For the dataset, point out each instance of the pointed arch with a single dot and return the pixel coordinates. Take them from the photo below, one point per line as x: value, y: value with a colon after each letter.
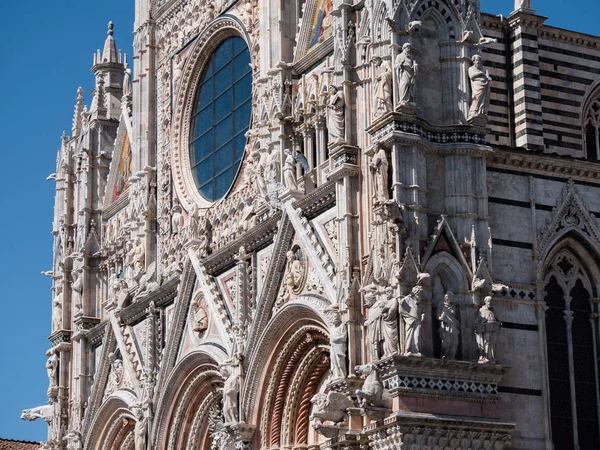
x: 184, y: 406
x: 113, y: 423
x: 287, y: 368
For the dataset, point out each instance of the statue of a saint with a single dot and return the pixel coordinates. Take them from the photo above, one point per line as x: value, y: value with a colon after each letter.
x: 295, y: 271
x: 373, y: 322
x: 336, y: 125
x: 389, y: 322
x: 52, y: 368
x: 522, y: 4
x: 231, y: 390
x: 449, y: 327
x: 383, y: 87
x: 412, y: 313
x: 77, y: 290
x: 57, y: 310
x: 406, y: 75
x: 486, y: 327
x: 261, y: 167
x: 382, y: 321
x: 127, y: 82
x: 480, y: 88
x: 140, y: 431
x: 339, y: 342
x: 379, y: 170
x: 289, y: 170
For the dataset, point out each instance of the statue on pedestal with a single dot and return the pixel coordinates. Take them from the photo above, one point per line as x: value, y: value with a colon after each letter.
x: 57, y: 311
x: 52, y: 368
x: 412, y: 313
x: 449, y: 327
x: 231, y: 390
x: 480, y: 88
x: 338, y: 344
x: 140, y: 431
x: 406, y: 75
x: 486, y: 327
x: 336, y: 125
x: 379, y: 171
x: 289, y: 170
x: 383, y: 87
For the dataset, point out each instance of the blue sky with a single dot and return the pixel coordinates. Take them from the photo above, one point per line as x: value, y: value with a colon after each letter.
x: 47, y: 49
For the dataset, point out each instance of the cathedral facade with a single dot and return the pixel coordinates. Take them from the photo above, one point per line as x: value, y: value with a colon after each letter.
x: 330, y: 224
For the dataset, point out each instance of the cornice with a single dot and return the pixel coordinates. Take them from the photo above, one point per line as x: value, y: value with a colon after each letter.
x: 536, y: 163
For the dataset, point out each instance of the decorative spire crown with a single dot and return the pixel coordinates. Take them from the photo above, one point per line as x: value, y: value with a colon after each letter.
x: 109, y: 55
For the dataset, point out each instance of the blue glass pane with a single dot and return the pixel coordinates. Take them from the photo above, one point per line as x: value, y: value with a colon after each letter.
x: 223, y: 79
x: 207, y: 190
x: 204, y: 170
x: 203, y: 121
x: 223, y: 105
x: 203, y: 147
x: 241, y: 66
x: 223, y: 131
x: 239, y: 143
x: 223, y: 182
x: 241, y: 92
x: 241, y: 117
x: 221, y: 117
x: 206, y: 93
x: 223, y: 54
x: 223, y: 158
x: 239, y: 45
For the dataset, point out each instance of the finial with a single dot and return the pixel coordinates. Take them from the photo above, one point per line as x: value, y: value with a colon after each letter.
x: 79, y: 91
x: 111, y: 26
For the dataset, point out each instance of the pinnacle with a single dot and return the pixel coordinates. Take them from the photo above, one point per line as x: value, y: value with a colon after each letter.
x: 109, y: 55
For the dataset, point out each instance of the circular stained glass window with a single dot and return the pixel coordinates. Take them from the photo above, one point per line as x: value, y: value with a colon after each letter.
x: 220, y: 119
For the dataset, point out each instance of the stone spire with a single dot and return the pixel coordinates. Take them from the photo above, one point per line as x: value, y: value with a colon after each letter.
x: 108, y: 68
x: 110, y: 48
x: 77, y: 119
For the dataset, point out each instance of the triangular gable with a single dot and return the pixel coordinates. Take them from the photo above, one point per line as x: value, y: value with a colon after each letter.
x: 409, y: 270
x: 570, y: 214
x: 443, y: 240
x: 315, y: 36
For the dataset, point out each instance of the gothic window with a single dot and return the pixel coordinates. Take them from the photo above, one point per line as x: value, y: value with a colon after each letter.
x: 221, y: 118
x: 572, y: 369
x: 591, y: 129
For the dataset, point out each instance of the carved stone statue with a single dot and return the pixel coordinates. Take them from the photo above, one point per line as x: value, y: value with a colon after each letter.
x: 480, y: 88
x: 289, y: 170
x: 77, y: 290
x: 371, y: 393
x: 127, y: 82
x: 199, y: 317
x: 336, y: 125
x: 74, y: 441
x: 194, y: 221
x: 295, y: 272
x: 57, y: 310
x: 140, y: 432
x: 231, y: 390
x: 486, y: 327
x: 449, y: 327
x: 382, y: 321
x: 339, y: 343
x: 379, y: 171
x: 260, y: 161
x: 383, y: 87
x: 412, y: 313
x: 52, y: 369
x: 406, y: 75
x: 522, y: 4
x: 331, y: 406
x: 373, y: 322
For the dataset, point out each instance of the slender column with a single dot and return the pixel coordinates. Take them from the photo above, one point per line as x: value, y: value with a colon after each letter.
x: 597, y: 155
x: 321, y: 140
x: 569, y: 321
x: 594, y: 341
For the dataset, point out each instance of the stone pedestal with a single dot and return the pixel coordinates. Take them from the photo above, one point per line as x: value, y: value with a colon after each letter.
x: 435, y: 386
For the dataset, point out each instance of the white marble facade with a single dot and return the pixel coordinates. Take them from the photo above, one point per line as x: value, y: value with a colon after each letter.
x: 402, y: 259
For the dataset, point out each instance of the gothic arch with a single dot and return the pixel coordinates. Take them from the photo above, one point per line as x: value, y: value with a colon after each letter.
x: 446, y: 16
x: 590, y: 122
x: 571, y: 275
x: 183, y: 408
x: 112, y: 427
x: 294, y: 349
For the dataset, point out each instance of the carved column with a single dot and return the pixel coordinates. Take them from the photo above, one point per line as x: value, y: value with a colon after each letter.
x: 569, y: 321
